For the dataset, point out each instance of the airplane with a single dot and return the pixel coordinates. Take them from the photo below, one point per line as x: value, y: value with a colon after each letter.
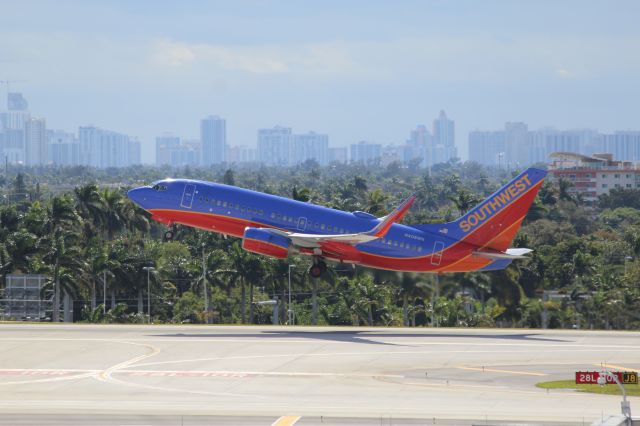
x: 278, y: 227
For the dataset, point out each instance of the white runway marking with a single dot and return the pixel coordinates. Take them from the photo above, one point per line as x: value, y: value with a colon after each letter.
x: 494, y: 370
x: 183, y: 373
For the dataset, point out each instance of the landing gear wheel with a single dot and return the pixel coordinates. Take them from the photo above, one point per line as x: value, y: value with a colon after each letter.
x: 318, y: 269
x: 168, y: 236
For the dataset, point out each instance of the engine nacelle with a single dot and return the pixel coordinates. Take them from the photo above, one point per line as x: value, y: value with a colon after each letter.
x: 265, y: 241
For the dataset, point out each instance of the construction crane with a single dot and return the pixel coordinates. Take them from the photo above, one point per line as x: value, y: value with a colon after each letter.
x: 8, y: 83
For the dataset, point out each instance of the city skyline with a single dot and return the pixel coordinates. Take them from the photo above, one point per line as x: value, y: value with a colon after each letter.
x: 357, y: 71
x: 27, y: 139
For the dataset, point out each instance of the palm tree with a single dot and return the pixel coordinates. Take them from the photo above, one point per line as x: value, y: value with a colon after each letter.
x: 66, y: 265
x: 464, y: 200
x: 114, y: 212
x: 91, y: 207
x: 376, y: 200
x: 303, y: 195
x: 59, y: 237
x: 242, y: 267
x: 411, y: 286
x: 563, y: 190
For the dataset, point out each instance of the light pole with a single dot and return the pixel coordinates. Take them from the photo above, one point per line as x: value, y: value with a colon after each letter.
x: 624, y: 405
x: 204, y: 286
x: 104, y: 292
x: 434, y: 300
x: 148, y: 269
x: 289, y: 310
x: 626, y: 259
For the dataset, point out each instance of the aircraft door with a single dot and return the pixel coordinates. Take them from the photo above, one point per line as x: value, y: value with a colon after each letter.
x: 302, y: 224
x: 187, y: 196
x: 436, y: 256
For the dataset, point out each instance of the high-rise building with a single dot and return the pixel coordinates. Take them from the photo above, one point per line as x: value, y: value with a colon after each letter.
x: 338, y: 155
x: 310, y: 146
x: 487, y: 148
x: 135, y: 152
x: 516, y: 146
x: 104, y: 148
x: 36, y: 153
x: 516, y: 137
x: 274, y: 146
x: 64, y: 149
x: 12, y: 124
x: 419, y: 145
x: 165, y: 144
x: 365, y: 152
x: 171, y: 151
x: 16, y: 102
x: 241, y: 154
x: 624, y: 145
x: 444, y: 139
x: 213, y: 137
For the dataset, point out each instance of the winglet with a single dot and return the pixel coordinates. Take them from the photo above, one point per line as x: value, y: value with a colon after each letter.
x: 383, y: 227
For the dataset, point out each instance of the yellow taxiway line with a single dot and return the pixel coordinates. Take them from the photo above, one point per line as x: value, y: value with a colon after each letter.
x: 286, y: 421
x: 617, y: 367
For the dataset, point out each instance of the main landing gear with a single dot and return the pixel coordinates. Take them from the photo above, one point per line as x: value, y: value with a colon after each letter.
x: 168, y: 235
x: 317, y: 269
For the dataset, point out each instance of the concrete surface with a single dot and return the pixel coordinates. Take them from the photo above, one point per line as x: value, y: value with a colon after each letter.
x: 192, y: 375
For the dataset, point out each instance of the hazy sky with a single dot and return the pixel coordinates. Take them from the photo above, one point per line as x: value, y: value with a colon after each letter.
x: 357, y: 70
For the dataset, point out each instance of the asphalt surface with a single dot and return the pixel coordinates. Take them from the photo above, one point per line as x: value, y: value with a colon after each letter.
x: 202, y: 375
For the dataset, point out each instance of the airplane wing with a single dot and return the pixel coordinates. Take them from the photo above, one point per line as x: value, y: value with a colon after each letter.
x: 379, y: 231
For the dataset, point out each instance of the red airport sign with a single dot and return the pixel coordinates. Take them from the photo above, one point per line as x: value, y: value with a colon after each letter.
x: 591, y: 377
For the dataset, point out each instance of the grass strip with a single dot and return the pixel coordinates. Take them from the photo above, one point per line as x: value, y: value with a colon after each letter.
x: 632, y: 390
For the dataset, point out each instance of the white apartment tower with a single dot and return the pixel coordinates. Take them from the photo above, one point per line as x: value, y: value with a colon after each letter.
x: 36, y: 153
x: 213, y: 136
x: 274, y: 146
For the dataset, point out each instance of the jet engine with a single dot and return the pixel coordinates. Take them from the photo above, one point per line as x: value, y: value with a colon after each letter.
x: 265, y: 241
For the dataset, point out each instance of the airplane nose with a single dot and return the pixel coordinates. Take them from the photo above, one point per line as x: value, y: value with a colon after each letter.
x: 137, y: 195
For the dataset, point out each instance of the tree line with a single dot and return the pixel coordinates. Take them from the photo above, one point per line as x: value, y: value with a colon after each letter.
x: 76, y: 226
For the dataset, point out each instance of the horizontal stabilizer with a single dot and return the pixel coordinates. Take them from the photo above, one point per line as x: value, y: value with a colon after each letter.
x: 395, y: 216
x: 509, y: 254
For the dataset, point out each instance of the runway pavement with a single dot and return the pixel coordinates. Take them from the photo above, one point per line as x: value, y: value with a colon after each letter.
x: 196, y: 375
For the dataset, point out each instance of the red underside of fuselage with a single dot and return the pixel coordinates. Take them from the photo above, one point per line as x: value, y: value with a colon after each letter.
x: 457, y: 257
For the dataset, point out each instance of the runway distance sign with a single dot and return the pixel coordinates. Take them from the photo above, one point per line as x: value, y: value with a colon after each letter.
x: 591, y: 377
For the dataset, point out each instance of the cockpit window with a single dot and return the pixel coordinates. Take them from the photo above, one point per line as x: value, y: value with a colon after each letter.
x: 158, y: 187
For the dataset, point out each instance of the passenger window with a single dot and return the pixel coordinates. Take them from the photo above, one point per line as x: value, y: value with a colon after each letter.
x: 322, y: 226
x: 218, y: 203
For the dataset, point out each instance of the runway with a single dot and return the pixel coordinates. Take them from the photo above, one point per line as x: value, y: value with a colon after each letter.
x: 196, y: 375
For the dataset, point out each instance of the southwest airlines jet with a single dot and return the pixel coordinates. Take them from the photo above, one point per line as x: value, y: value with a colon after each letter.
x: 276, y: 226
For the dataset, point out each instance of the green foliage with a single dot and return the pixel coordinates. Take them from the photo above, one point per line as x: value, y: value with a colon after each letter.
x: 94, y: 244
x: 189, y: 308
